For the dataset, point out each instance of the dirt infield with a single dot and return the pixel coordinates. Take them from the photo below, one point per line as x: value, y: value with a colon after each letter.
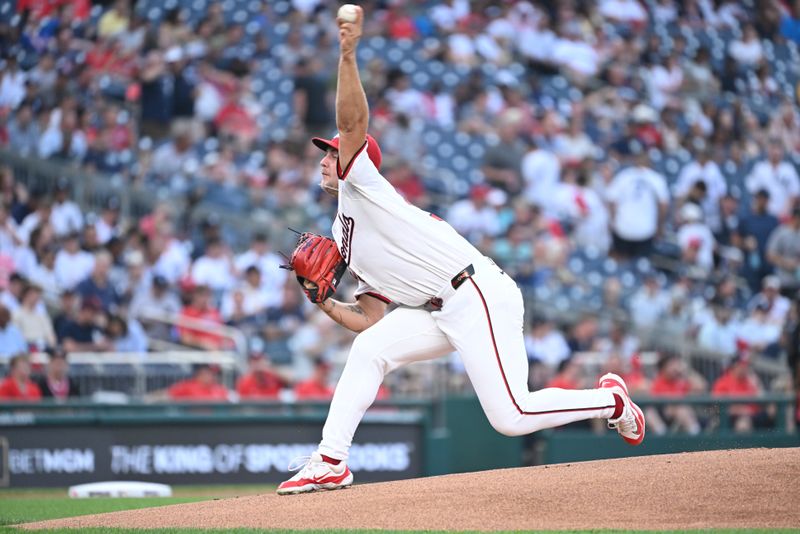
x: 741, y: 488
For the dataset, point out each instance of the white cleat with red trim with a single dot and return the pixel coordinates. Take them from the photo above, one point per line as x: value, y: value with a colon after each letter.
x: 316, y: 474
x: 630, y: 424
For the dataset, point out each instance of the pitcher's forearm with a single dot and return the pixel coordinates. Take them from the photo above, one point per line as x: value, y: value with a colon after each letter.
x: 352, y: 111
x: 348, y: 314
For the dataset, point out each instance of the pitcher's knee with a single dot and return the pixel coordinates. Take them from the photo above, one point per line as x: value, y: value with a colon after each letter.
x: 507, y: 424
x: 366, y: 350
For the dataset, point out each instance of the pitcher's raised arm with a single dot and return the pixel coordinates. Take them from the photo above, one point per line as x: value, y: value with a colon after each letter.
x: 352, y: 111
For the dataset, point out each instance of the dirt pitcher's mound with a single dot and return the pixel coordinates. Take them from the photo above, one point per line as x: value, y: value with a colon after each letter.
x: 743, y: 488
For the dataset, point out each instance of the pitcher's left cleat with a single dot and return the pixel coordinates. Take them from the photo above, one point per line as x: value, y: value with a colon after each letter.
x: 629, y: 425
x: 316, y: 474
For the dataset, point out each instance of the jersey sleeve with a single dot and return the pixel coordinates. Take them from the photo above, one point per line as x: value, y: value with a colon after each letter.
x: 360, y: 170
x: 366, y: 289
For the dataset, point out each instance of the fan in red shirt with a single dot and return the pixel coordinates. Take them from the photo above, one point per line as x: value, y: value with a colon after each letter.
x: 200, y: 309
x: 739, y: 380
x: 317, y: 387
x: 570, y: 376
x: 674, y: 379
x: 261, y: 382
x: 203, y: 386
x: 18, y: 385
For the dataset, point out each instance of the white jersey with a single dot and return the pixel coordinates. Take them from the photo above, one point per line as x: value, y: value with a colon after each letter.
x: 396, y: 250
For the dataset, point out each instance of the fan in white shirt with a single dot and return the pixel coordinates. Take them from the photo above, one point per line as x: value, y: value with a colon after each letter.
x: 72, y: 264
x: 473, y: 217
x: 546, y: 344
x: 778, y: 177
x: 639, y: 198
x: 748, y: 49
x: 214, y: 269
x: 248, y: 299
x: 173, y: 260
x: 273, y: 278
x: 585, y: 209
x: 623, y: 11
x: 66, y: 216
x: 705, y: 169
x: 541, y: 172
x: 695, y: 238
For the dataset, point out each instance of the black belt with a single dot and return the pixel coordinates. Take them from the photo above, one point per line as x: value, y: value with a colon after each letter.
x: 461, y: 277
x: 436, y: 303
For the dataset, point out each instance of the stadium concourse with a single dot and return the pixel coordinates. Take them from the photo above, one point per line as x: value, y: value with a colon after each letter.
x: 634, y: 165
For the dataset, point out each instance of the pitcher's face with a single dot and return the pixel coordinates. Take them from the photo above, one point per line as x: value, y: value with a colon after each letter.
x: 330, y: 180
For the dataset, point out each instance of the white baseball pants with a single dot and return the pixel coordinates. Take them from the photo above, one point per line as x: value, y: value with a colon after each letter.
x: 483, y: 321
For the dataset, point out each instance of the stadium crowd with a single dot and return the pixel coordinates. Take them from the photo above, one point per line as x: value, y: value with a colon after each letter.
x: 633, y: 164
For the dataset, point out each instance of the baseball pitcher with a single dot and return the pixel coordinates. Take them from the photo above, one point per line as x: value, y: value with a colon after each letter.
x: 450, y: 297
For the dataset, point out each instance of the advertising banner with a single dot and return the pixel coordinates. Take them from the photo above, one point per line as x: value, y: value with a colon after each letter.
x: 185, y: 453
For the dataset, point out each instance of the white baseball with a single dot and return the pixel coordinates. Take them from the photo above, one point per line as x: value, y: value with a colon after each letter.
x: 347, y: 13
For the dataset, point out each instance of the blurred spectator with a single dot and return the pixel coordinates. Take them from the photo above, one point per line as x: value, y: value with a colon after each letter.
x: 12, y: 83
x: 638, y: 198
x: 674, y: 379
x: 72, y: 265
x: 650, y: 303
x: 18, y: 385
x: 777, y: 305
x: 747, y: 51
x: 260, y: 382
x: 115, y: 20
x: 215, y: 268
x: 157, y: 86
x: 311, y: 103
x: 23, y: 131
x: 200, y: 309
x: 502, y: 162
x: 474, y: 217
x: 12, y: 342
x: 35, y: 326
x: 66, y: 217
x: 544, y: 343
x: 541, y: 171
x: 125, y: 336
x: 739, y: 380
x: 56, y: 383
x: 98, y: 286
x: 790, y: 23
x: 158, y: 300
x: 696, y: 239
x: 579, y: 205
x: 752, y: 236
x: 778, y: 177
x: 202, y: 386
x: 570, y: 375
x: 85, y: 332
x: 268, y: 263
x: 760, y: 335
x: 783, y: 251
x: 718, y: 331
x: 317, y: 387
x: 246, y: 301
x: 704, y: 169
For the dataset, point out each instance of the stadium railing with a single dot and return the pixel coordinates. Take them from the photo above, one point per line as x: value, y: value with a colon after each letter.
x: 109, y: 374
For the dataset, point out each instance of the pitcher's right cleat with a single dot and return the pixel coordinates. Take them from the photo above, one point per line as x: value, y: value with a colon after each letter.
x: 316, y: 474
x: 629, y: 425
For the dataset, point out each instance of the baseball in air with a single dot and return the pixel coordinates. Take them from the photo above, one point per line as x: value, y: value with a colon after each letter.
x: 347, y: 13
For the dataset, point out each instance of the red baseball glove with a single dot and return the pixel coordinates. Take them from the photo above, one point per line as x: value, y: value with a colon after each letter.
x: 318, y: 265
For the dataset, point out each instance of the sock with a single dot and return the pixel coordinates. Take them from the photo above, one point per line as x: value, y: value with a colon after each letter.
x: 329, y: 460
x: 620, y: 405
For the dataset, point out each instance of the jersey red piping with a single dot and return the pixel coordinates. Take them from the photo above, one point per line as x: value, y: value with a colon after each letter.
x: 503, y: 373
x: 377, y: 296
x: 343, y: 174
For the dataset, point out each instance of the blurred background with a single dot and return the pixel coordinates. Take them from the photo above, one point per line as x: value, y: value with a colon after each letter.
x: 632, y: 164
